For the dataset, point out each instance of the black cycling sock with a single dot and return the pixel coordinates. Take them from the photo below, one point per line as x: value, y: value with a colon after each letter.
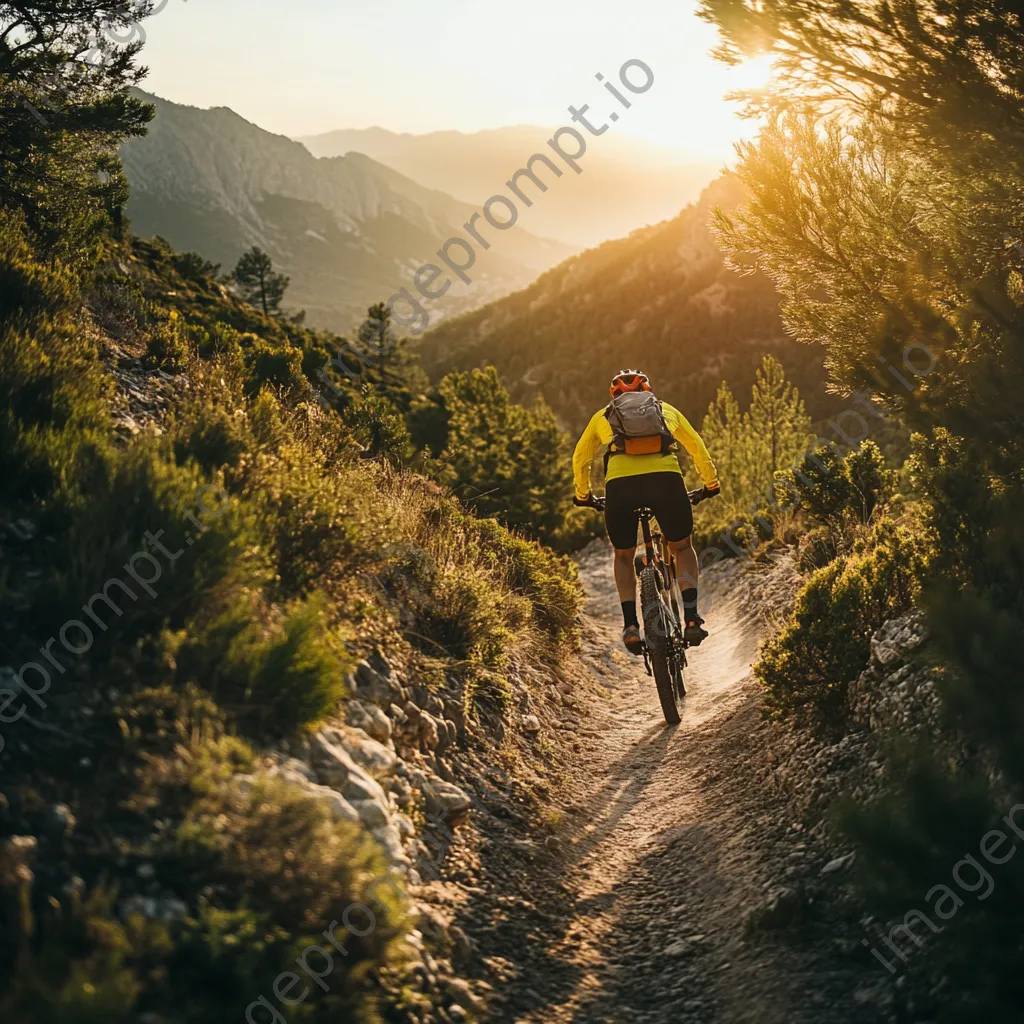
x: 629, y: 613
x: 690, y: 605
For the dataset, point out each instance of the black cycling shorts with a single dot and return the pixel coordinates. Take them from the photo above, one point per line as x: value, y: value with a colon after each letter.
x: 663, y: 493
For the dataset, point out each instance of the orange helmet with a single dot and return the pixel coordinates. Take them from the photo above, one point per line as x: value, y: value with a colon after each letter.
x: 629, y: 380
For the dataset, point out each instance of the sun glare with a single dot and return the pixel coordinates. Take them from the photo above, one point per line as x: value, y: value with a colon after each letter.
x: 753, y: 73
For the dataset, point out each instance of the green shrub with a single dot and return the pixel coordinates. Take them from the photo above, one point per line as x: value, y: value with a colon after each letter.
x: 30, y: 290
x: 278, y: 850
x: 463, y: 616
x: 211, y: 435
x: 193, y: 266
x: 549, y: 581
x: 487, y: 695
x: 961, y: 508
x: 262, y: 871
x: 379, y: 427
x: 277, y: 365
x: 103, y: 521
x: 838, y: 491
x: 169, y: 346
x: 822, y: 488
x: 53, y: 410
x: 808, y: 666
x: 871, y: 484
x: 502, y: 459
x: 270, y: 678
x: 816, y: 549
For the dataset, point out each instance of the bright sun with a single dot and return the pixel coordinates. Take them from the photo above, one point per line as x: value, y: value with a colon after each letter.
x: 695, y: 116
x: 753, y: 73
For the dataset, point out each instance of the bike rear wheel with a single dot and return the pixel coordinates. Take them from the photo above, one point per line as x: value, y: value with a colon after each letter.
x: 658, y: 630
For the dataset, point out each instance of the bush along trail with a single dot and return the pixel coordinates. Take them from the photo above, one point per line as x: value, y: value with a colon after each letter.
x: 251, y: 678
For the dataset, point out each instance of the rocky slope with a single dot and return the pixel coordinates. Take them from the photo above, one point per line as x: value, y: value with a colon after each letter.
x: 348, y: 231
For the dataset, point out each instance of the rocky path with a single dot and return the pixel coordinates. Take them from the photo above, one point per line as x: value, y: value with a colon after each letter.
x: 666, y: 842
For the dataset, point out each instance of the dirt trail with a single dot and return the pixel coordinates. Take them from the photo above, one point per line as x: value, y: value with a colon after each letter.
x: 661, y: 851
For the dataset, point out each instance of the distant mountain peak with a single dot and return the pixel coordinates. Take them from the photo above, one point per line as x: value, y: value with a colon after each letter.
x: 348, y: 230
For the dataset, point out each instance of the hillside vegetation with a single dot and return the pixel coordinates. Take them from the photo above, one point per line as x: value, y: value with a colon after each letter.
x: 661, y: 299
x: 886, y: 213
x: 197, y: 551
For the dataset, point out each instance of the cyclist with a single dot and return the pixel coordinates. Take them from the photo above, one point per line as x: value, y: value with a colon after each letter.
x: 641, y: 471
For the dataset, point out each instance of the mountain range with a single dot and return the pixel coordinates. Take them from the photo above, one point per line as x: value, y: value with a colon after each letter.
x: 661, y: 300
x: 624, y: 182
x: 347, y: 230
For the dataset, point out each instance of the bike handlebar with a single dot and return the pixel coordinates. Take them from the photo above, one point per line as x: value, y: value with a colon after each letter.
x: 597, y: 503
x: 701, y: 494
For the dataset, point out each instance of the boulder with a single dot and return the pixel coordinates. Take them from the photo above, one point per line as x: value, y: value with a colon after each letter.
x: 429, y: 735
x: 461, y: 994
x: 839, y: 864
x: 391, y: 842
x: 360, y: 786
x: 340, y: 808
x: 372, y: 813
x: 293, y: 770
x: 531, y: 724
x: 434, y: 925
x: 446, y: 800
x: 463, y: 947
x: 374, y: 680
x: 370, y: 718
x: 447, y: 733
x: 401, y: 790
x: 335, y: 767
x: 373, y: 757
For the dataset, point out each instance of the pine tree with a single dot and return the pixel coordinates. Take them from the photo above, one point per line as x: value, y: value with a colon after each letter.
x: 504, y: 460
x: 256, y: 280
x: 64, y: 110
x: 777, y: 428
x: 723, y: 434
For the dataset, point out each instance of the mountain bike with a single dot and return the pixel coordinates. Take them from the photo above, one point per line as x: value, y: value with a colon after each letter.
x: 665, y: 648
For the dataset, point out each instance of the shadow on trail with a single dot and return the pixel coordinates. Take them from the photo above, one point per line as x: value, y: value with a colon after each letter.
x: 534, y: 937
x: 628, y: 777
x: 641, y: 981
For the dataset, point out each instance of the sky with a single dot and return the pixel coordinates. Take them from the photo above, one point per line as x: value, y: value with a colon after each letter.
x: 307, y: 66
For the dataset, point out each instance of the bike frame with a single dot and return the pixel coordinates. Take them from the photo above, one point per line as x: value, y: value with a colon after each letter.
x: 657, y: 553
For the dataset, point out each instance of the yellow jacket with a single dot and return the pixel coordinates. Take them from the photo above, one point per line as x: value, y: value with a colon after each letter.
x: 599, y: 434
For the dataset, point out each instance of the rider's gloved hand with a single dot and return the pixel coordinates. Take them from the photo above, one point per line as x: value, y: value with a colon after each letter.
x: 582, y: 502
x: 711, y: 492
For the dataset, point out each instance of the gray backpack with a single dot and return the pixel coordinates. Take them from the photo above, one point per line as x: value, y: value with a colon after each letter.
x: 638, y: 425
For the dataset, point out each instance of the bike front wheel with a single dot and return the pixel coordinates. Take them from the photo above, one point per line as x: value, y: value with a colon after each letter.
x: 658, y: 630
